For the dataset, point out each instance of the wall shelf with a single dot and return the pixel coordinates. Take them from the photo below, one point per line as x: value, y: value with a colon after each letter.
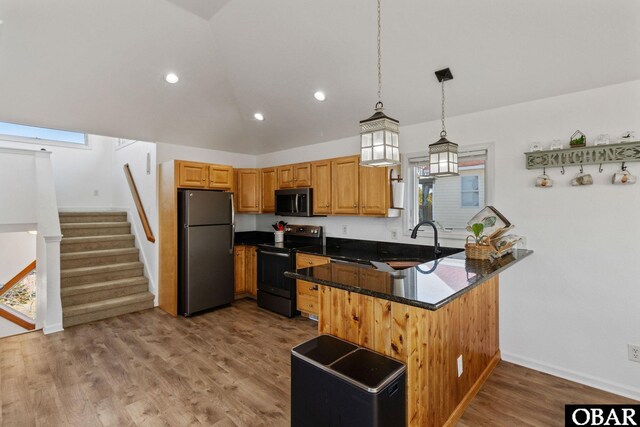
x: 591, y: 155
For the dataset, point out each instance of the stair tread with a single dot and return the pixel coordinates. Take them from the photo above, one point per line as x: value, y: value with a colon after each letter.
x: 81, y: 271
x: 92, y: 213
x: 98, y: 253
x: 98, y: 286
x: 75, y: 310
x: 90, y: 239
x: 70, y: 225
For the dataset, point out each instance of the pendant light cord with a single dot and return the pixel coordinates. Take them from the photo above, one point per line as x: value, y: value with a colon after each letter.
x: 379, y: 62
x: 443, y: 133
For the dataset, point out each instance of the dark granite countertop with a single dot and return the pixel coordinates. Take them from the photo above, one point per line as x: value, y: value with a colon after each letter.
x: 364, y: 251
x: 253, y: 238
x: 430, y: 285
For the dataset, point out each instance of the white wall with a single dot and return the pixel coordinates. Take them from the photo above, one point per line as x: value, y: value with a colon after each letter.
x: 78, y: 172
x: 18, y: 250
x: 17, y: 188
x: 135, y: 155
x: 572, y: 307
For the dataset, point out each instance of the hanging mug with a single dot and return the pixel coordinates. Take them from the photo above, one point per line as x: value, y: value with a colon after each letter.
x: 582, y: 179
x: 623, y: 178
x: 544, y: 181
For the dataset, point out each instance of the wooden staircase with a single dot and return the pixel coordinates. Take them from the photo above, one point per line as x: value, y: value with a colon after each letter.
x: 100, y: 272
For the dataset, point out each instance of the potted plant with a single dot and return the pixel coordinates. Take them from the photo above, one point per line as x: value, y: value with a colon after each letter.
x: 480, y: 249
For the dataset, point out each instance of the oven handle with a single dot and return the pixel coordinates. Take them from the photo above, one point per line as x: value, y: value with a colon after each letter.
x: 275, y: 254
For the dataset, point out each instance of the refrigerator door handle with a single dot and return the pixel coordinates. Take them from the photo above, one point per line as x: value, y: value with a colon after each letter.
x: 233, y: 225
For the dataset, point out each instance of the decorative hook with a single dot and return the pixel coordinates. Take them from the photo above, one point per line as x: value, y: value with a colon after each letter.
x: 544, y: 171
x: 624, y: 168
x: 600, y: 168
x: 562, y: 171
x: 581, y: 169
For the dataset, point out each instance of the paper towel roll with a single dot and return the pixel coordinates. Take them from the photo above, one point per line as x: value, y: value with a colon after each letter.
x: 398, y: 194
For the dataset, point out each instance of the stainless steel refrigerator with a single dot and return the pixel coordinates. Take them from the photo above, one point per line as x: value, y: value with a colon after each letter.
x: 205, y: 250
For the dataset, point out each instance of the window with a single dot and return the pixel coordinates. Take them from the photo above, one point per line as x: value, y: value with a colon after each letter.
x: 448, y: 201
x: 470, y: 191
x: 42, y: 135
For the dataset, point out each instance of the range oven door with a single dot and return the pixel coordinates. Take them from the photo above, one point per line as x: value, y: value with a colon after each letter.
x: 271, y: 268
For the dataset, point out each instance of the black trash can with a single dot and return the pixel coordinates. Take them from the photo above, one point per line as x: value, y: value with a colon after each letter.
x: 336, y: 383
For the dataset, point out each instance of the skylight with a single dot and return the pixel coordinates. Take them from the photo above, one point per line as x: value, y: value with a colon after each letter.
x: 45, y: 134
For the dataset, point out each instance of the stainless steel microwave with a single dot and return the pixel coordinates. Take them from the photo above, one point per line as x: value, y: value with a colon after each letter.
x: 294, y: 202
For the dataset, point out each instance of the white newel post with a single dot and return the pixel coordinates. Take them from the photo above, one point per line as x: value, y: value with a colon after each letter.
x: 48, y: 257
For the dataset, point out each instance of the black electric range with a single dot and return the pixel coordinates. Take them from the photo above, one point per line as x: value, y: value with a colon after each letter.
x: 275, y: 291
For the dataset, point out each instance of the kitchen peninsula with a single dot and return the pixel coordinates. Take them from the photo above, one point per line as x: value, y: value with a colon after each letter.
x: 439, y: 318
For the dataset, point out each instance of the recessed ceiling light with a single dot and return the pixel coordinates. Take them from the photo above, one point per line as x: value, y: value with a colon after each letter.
x: 319, y: 95
x: 258, y: 116
x: 171, y: 78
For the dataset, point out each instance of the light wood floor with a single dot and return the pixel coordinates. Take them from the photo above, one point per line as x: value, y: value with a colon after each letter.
x: 225, y: 368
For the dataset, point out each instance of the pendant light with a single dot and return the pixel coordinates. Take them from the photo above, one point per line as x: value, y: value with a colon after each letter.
x: 443, y: 155
x: 379, y: 133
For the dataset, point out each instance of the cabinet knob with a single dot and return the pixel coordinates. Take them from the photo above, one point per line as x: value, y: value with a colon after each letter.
x: 314, y: 288
x: 355, y: 205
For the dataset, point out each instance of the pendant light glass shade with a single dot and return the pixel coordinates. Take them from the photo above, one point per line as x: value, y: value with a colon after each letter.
x: 443, y: 157
x: 379, y: 140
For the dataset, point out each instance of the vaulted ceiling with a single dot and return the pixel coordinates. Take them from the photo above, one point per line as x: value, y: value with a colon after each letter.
x: 99, y: 66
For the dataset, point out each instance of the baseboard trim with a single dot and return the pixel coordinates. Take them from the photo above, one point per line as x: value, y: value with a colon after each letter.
x: 588, y: 380
x: 51, y: 329
x: 475, y: 388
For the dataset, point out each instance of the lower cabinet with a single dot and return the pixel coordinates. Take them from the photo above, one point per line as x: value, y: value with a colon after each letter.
x: 307, y: 295
x: 246, y: 271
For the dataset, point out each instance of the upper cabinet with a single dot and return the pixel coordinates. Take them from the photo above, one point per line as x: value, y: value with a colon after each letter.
x: 344, y: 192
x: 192, y: 174
x: 375, y: 192
x: 248, y: 190
x: 294, y: 176
x: 321, y: 178
x: 204, y: 175
x: 269, y: 181
x: 220, y: 177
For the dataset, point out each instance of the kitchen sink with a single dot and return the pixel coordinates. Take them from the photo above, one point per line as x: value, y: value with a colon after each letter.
x: 401, y: 264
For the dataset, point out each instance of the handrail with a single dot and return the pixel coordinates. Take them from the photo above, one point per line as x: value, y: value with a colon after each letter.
x: 17, y: 320
x: 28, y: 269
x: 138, y: 202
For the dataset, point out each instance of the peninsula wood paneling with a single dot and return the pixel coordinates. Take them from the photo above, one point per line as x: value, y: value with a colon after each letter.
x: 428, y: 342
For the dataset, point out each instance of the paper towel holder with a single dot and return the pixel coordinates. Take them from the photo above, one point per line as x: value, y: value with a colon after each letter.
x: 399, y: 180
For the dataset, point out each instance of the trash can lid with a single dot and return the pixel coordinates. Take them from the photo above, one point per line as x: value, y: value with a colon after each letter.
x: 324, y: 349
x: 368, y: 370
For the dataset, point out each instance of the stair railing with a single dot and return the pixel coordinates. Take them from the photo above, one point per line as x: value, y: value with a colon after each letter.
x: 10, y: 284
x: 138, y: 202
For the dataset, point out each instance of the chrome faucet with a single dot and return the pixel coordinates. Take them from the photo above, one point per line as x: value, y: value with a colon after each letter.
x: 436, y: 245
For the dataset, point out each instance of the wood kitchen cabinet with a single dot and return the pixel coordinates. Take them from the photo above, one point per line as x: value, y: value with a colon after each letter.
x: 307, y: 296
x: 247, y: 190
x: 321, y: 178
x: 294, y: 176
x: 375, y: 193
x: 245, y: 271
x: 192, y: 174
x: 269, y: 184
x: 220, y: 177
x: 345, y: 188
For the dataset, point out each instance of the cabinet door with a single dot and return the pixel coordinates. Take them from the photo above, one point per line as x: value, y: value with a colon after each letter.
x: 285, y: 176
x: 345, y: 189
x: 251, y: 276
x: 239, y: 268
x: 248, y: 190
x: 192, y: 174
x: 302, y: 175
x: 321, y: 178
x: 374, y: 191
x: 220, y: 177
x: 269, y: 186
x: 308, y: 260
